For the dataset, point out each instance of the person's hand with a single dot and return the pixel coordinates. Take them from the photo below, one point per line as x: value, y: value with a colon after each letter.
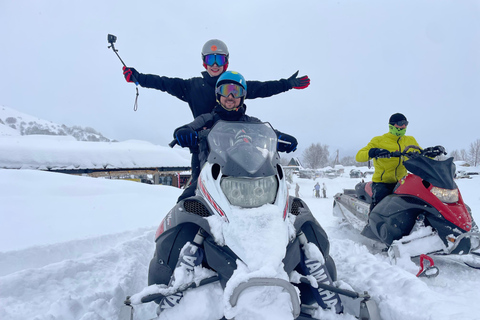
x: 378, y: 153
x: 186, y: 137
x: 434, y: 151
x: 130, y: 74
x: 288, y: 147
x: 298, y: 83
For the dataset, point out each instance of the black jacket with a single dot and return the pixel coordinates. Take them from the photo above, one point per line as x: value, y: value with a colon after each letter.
x: 199, y: 92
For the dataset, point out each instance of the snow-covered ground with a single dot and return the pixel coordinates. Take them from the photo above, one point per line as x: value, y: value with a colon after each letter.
x: 74, y: 247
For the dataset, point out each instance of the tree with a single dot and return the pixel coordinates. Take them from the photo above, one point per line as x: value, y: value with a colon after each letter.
x: 474, y: 153
x: 455, y: 154
x: 348, y: 161
x: 316, y: 156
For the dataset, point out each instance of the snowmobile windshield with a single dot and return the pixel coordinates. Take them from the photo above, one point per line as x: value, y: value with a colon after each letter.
x: 243, y: 148
x: 439, y: 173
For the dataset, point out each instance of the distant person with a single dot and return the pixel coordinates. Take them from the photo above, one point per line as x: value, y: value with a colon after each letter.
x: 316, y: 188
x: 199, y: 92
x: 324, y: 190
x: 297, y: 190
x: 388, y: 171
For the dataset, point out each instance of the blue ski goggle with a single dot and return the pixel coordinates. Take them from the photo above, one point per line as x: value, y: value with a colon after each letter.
x: 230, y: 88
x: 211, y: 59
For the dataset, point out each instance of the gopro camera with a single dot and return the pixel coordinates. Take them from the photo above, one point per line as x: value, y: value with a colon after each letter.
x: 111, y: 39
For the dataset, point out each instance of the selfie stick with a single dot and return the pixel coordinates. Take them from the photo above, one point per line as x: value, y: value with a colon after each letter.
x: 111, y: 39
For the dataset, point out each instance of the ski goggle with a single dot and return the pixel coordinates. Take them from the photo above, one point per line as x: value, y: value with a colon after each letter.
x: 211, y: 59
x: 228, y: 89
x: 400, y: 123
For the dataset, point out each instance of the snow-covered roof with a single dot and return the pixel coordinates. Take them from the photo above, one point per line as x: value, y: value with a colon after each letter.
x: 65, y: 152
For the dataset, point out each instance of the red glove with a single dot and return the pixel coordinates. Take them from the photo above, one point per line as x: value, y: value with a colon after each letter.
x: 298, y: 83
x: 130, y: 74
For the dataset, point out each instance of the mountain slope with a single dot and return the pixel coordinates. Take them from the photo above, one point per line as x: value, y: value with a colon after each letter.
x: 24, y: 124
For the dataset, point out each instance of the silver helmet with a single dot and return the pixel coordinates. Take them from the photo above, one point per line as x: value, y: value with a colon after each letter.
x: 214, y: 46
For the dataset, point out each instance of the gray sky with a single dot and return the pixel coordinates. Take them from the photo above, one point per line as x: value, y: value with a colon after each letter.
x: 366, y: 60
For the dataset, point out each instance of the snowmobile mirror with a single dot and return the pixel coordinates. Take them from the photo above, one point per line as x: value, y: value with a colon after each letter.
x: 111, y: 38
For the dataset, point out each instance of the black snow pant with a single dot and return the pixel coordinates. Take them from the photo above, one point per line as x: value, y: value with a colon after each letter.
x: 380, y: 191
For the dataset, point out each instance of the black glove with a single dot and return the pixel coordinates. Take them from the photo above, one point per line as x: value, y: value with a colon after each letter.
x: 186, y: 137
x: 286, y: 147
x: 130, y: 74
x: 434, y: 151
x: 378, y: 153
x: 298, y: 83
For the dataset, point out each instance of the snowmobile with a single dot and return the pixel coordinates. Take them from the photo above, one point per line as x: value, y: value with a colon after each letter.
x: 243, y: 234
x: 425, y: 216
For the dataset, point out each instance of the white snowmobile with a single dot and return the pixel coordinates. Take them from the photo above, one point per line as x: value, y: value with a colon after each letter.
x: 246, y: 237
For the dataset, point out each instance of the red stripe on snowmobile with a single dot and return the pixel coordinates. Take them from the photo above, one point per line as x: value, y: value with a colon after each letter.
x: 210, y: 199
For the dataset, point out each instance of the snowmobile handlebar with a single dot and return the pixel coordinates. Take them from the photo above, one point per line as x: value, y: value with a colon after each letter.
x: 427, y: 152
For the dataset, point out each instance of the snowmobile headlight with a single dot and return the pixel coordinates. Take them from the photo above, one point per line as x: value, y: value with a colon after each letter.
x: 250, y: 192
x: 446, y: 195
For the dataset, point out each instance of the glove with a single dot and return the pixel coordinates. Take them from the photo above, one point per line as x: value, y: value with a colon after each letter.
x: 186, y: 137
x: 298, y: 83
x: 441, y: 149
x: 286, y: 147
x: 434, y: 151
x: 378, y: 153
x: 130, y: 74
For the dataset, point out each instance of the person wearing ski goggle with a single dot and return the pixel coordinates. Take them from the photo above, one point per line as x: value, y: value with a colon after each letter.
x: 215, y: 59
x: 231, y: 90
x: 388, y: 171
x: 199, y: 92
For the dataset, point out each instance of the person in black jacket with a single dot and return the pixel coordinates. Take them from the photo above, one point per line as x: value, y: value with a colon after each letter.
x: 199, y: 92
x: 231, y: 90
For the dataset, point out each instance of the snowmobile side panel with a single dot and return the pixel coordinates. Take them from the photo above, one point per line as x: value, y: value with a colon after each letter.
x: 292, y: 256
x: 221, y: 259
x: 193, y: 210
x: 318, y: 235
x: 167, y: 250
x: 394, y: 217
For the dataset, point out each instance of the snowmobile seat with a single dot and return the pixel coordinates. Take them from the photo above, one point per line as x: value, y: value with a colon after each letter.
x: 362, y: 194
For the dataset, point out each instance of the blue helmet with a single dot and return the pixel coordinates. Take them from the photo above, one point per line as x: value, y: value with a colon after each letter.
x: 232, y: 77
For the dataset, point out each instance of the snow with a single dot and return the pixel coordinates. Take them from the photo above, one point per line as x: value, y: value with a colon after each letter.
x: 74, y: 247
x: 64, y: 152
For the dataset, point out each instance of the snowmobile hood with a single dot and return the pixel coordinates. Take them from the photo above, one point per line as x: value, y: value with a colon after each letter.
x: 438, y: 173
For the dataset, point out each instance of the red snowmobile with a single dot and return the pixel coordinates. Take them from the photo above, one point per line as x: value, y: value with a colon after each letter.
x: 425, y: 215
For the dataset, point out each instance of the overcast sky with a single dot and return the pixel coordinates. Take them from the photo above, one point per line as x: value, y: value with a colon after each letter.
x: 366, y: 60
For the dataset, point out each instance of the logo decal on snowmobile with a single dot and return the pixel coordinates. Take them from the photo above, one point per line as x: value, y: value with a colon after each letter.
x: 317, y: 270
x: 212, y: 202
x: 164, y: 225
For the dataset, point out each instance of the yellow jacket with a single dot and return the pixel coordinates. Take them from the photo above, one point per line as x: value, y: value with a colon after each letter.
x: 387, y: 170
